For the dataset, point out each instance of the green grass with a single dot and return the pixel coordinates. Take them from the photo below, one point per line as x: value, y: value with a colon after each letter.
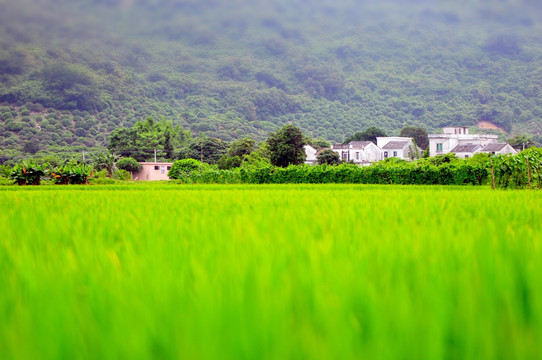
x: 270, y: 272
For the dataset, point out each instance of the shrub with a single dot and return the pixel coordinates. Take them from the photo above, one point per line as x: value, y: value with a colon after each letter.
x: 128, y: 164
x: 181, y: 168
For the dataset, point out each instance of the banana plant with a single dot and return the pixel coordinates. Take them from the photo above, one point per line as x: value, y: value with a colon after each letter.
x: 72, y: 173
x: 28, y: 173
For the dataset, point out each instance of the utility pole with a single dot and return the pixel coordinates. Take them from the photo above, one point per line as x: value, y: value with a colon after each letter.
x: 83, y: 155
x: 154, y: 155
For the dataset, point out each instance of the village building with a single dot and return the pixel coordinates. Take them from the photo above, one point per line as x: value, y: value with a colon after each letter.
x: 311, y: 155
x: 398, y: 147
x: 151, y: 171
x: 466, y: 151
x: 358, y: 152
x: 499, y: 148
x: 440, y: 144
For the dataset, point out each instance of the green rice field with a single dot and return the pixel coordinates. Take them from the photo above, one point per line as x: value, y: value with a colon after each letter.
x: 160, y: 271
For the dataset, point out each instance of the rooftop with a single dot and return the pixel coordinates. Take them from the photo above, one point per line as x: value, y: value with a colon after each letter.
x: 395, y: 145
x: 494, y: 147
x: 467, y: 148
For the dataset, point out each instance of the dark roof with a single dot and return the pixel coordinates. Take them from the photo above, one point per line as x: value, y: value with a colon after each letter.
x: 359, y: 144
x: 340, y: 146
x: 395, y: 145
x: 494, y: 147
x: 467, y: 148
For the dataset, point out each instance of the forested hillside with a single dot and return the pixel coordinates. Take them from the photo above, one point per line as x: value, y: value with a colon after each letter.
x: 71, y: 71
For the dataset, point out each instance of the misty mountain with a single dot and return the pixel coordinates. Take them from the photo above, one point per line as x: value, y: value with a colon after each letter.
x: 72, y: 71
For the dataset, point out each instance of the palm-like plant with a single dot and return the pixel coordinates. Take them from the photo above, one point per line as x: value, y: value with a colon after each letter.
x: 105, y: 161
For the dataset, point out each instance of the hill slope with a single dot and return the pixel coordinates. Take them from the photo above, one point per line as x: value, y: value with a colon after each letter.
x: 71, y: 71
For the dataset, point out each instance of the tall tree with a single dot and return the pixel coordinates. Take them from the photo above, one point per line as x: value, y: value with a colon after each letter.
x: 418, y: 134
x: 286, y: 146
x: 205, y: 149
x: 521, y: 142
x: 145, y: 137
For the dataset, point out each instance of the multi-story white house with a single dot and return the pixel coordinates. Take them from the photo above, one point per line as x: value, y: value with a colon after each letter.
x: 452, y: 137
x: 395, y: 146
x: 359, y: 152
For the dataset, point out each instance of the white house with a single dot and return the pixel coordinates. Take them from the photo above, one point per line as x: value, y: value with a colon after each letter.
x: 311, y: 155
x: 396, y: 146
x: 466, y: 151
x: 359, y: 152
x: 453, y: 136
x: 499, y: 148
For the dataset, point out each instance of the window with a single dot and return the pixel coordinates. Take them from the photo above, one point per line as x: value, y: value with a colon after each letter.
x: 345, y: 155
x: 169, y: 167
x: 156, y: 167
x: 162, y: 169
x: 357, y: 155
x: 439, y: 147
x: 395, y: 154
x: 466, y: 156
x: 385, y: 154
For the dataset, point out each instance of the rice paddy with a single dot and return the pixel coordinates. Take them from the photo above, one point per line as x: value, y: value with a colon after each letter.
x: 270, y: 272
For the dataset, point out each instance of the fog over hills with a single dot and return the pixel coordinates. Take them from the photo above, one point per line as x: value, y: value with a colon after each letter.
x: 72, y: 71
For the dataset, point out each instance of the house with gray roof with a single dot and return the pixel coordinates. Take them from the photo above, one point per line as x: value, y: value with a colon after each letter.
x: 466, y: 151
x: 499, y: 148
x: 358, y: 152
x: 451, y: 137
x: 399, y: 147
x: 458, y: 140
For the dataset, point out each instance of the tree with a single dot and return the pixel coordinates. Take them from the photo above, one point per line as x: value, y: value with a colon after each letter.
x: 205, y: 149
x: 318, y: 144
x: 242, y: 147
x: 286, y: 146
x: 328, y: 157
x: 140, y: 141
x: 186, y: 167
x: 105, y: 161
x: 521, y: 142
x: 418, y: 134
x: 229, y: 162
x: 370, y: 134
x: 129, y: 164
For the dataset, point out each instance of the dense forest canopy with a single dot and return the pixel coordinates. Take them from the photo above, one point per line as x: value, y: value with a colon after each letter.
x: 73, y: 71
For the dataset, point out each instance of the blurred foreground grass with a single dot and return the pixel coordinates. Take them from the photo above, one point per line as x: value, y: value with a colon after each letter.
x: 270, y: 272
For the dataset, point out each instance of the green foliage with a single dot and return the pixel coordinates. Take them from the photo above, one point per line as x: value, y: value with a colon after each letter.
x: 369, y: 134
x: 5, y: 170
x: 129, y: 164
x: 231, y: 79
x: 140, y: 141
x: 72, y: 172
x: 229, y: 162
x: 241, y: 147
x: 521, y: 142
x: 286, y: 146
x: 328, y: 157
x: 205, y: 149
x: 418, y: 134
x: 28, y: 173
x: 186, y: 167
x: 398, y: 173
x: 122, y: 175
x: 105, y: 161
x: 523, y: 170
